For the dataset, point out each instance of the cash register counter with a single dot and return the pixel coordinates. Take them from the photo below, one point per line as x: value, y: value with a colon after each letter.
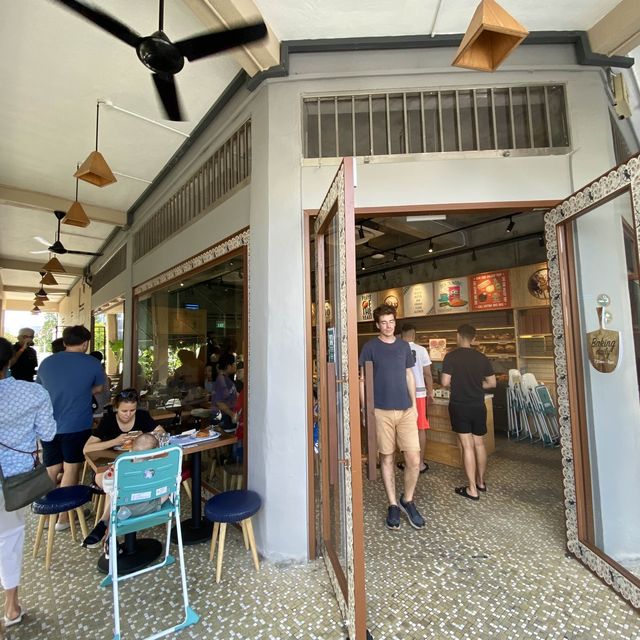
x: 442, y: 442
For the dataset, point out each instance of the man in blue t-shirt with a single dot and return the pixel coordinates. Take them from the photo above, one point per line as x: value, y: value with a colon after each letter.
x: 394, y: 401
x: 72, y: 378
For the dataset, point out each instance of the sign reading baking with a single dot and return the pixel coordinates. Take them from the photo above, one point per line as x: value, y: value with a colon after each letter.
x: 490, y: 291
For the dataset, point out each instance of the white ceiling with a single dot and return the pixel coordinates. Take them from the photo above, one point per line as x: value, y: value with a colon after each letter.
x: 54, y: 66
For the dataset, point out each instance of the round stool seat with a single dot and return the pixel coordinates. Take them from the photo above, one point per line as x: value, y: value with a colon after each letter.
x: 232, y: 506
x: 62, y: 499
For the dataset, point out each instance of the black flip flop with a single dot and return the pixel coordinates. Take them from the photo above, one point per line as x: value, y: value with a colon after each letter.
x: 483, y: 489
x: 462, y: 491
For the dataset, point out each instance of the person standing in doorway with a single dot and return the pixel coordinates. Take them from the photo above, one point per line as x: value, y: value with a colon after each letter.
x: 25, y: 359
x: 72, y: 378
x: 394, y: 399
x: 470, y: 374
x: 424, y: 387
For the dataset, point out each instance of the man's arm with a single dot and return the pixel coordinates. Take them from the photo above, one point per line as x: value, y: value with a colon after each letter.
x: 361, y: 381
x: 489, y: 382
x: 411, y: 385
x: 428, y: 380
x: 445, y: 380
x: 97, y: 389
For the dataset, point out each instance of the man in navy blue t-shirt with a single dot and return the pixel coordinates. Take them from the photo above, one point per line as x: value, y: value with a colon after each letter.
x: 394, y: 400
x: 72, y: 378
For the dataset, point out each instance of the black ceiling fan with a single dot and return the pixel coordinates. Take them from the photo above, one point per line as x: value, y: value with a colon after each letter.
x: 166, y: 58
x: 59, y: 248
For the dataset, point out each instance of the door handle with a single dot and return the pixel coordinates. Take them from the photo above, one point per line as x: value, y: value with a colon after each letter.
x: 346, y: 462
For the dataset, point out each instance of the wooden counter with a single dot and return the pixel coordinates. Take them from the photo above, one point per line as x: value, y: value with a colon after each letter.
x: 442, y: 442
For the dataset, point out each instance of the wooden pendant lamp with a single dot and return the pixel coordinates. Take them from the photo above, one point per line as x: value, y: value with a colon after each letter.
x: 38, y: 302
x: 491, y: 36
x: 76, y: 216
x: 54, y: 266
x: 47, y: 278
x: 95, y: 169
x: 35, y: 311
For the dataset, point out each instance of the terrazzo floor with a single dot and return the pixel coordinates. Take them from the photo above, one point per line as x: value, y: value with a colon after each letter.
x: 496, y: 569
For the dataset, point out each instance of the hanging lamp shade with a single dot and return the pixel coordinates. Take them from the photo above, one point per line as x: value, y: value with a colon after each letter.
x: 47, y: 278
x: 490, y: 37
x: 54, y: 266
x: 76, y: 216
x: 41, y: 293
x: 95, y: 169
x: 38, y: 302
x: 35, y: 311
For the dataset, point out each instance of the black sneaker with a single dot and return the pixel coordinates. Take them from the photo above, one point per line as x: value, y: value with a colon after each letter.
x: 94, y: 539
x: 412, y: 513
x: 393, y: 517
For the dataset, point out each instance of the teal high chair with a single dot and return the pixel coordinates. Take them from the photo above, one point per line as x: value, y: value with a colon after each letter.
x: 140, y: 477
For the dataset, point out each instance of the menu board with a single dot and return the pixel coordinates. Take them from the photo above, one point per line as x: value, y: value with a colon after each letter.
x: 418, y: 300
x: 367, y: 302
x: 490, y: 291
x: 393, y: 297
x: 437, y: 348
x: 452, y: 295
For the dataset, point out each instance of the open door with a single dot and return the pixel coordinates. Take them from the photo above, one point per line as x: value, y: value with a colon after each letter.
x: 594, y: 277
x: 342, y: 541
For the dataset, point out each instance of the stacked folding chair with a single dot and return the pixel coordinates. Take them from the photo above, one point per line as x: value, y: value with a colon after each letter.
x: 140, y: 477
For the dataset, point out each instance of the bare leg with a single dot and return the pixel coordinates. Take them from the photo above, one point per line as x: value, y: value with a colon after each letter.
x: 70, y: 475
x: 422, y: 436
x: 469, y: 461
x: 388, y: 476
x: 11, y: 604
x: 53, y: 472
x: 411, y: 471
x: 481, y: 459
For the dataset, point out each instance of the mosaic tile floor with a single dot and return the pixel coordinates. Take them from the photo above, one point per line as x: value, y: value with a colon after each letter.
x: 496, y: 569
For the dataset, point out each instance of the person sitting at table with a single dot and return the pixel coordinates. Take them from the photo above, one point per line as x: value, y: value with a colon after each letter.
x: 116, y: 430
x: 189, y: 374
x: 225, y: 394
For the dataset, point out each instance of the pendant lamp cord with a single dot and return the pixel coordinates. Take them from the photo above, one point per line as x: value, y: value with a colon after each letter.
x: 97, y: 121
x: 78, y: 167
x: 161, y: 16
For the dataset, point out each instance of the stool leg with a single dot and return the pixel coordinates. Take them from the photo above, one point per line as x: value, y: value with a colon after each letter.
x: 212, y: 469
x: 238, y: 482
x: 252, y: 544
x: 83, y: 522
x: 225, y: 477
x: 223, y: 531
x: 214, y: 539
x: 245, y: 537
x: 52, y: 529
x: 39, y: 532
x: 72, y: 524
x: 187, y: 487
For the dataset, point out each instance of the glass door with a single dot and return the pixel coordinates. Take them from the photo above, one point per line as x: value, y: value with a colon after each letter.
x: 592, y: 246
x: 337, y: 344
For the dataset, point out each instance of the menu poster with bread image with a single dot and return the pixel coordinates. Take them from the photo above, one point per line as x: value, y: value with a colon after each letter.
x: 367, y: 302
x: 490, y: 291
x: 393, y: 297
x: 452, y: 295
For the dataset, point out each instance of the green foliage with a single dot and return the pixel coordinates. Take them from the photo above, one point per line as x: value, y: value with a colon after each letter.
x: 10, y: 337
x: 47, y: 334
x: 117, y: 347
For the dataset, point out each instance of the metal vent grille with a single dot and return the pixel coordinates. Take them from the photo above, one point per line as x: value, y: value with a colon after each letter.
x: 530, y: 119
x: 228, y: 168
x: 116, y: 264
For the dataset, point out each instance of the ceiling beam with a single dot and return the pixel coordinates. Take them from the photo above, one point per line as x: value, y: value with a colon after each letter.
x: 224, y: 14
x: 46, y: 202
x: 29, y: 265
x: 618, y: 32
x: 9, y: 288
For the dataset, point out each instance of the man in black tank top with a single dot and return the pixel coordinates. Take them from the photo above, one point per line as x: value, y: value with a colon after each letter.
x: 470, y: 374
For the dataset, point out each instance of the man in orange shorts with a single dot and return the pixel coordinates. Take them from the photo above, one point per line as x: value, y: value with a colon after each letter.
x: 424, y: 387
x: 395, y: 410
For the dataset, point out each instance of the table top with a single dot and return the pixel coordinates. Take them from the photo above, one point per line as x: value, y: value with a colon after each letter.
x: 98, y: 460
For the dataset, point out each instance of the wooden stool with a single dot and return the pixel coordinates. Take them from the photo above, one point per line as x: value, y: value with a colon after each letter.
x: 232, y: 506
x: 232, y: 476
x: 64, y: 499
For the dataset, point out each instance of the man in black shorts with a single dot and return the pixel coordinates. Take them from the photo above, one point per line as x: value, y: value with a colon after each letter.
x: 470, y: 374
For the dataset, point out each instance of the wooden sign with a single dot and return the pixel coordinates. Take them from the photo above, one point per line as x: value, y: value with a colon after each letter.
x: 394, y: 298
x: 490, y: 291
x: 603, y: 347
x: 418, y: 300
x: 530, y: 286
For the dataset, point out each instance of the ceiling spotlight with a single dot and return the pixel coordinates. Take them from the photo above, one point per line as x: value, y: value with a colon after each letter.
x: 435, y: 265
x: 510, y: 225
x: 541, y: 241
x: 410, y: 268
x: 361, y: 232
x: 384, y: 275
x: 430, y: 249
x: 473, y: 255
x: 362, y: 267
x: 395, y: 257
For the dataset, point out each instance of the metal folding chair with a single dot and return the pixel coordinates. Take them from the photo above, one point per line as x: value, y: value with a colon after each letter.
x: 140, y: 477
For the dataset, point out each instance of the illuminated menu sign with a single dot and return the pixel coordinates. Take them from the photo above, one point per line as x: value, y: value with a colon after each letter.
x: 490, y: 291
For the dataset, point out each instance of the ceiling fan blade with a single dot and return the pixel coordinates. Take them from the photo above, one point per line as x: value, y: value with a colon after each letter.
x: 104, y: 21
x: 168, y: 93
x: 207, y: 44
x: 37, y: 252
x: 41, y: 240
x: 82, y: 253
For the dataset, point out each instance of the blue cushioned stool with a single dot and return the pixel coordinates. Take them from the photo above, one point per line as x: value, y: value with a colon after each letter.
x: 232, y: 506
x: 55, y: 502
